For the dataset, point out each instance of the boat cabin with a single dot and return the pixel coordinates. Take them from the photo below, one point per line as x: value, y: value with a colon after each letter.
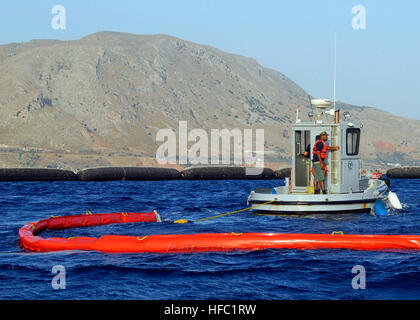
x: 344, y: 166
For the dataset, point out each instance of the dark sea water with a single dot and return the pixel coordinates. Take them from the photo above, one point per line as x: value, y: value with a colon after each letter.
x: 268, y: 274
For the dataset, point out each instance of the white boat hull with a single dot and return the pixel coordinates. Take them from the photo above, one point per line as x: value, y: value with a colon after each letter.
x: 295, y: 203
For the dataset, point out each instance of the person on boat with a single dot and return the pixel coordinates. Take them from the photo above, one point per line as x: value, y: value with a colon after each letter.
x: 319, y: 166
x: 307, y: 153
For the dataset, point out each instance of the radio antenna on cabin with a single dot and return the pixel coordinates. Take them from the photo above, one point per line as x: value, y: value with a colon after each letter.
x: 335, y: 69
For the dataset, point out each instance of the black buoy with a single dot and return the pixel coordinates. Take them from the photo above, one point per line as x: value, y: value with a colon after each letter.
x: 128, y: 173
x: 404, y: 173
x: 226, y: 173
x: 36, y: 174
x: 283, y: 173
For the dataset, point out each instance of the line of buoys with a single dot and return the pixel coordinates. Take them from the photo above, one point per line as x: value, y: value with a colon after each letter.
x: 184, y: 243
x: 404, y: 173
x: 143, y: 173
x: 35, y: 174
x: 226, y: 172
x: 155, y: 173
x: 128, y: 173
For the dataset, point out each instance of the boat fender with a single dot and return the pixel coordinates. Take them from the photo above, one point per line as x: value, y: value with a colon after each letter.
x: 393, y: 201
x: 380, y: 208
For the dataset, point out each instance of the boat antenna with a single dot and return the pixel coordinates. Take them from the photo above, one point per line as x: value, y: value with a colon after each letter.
x: 335, y: 69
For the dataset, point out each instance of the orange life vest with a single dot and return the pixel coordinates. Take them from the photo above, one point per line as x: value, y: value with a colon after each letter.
x: 324, y: 149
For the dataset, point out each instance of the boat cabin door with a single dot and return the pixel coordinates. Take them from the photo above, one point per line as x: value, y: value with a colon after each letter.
x: 351, y: 162
x: 301, y: 171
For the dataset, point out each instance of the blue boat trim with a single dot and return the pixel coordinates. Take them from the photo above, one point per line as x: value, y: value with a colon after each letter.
x: 290, y: 213
x: 311, y: 203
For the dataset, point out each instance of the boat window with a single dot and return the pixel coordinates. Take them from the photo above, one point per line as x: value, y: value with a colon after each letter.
x: 298, y: 141
x: 301, y: 169
x: 353, y: 141
x: 302, y: 140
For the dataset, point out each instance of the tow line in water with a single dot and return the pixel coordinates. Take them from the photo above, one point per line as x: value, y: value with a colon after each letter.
x: 184, y: 243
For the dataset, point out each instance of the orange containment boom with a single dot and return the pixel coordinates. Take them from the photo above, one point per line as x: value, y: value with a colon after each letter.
x: 183, y: 243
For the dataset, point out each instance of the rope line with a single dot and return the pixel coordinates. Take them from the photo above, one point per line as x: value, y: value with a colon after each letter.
x: 225, y: 214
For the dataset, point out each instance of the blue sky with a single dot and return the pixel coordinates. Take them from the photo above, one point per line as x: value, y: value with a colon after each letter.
x: 378, y: 66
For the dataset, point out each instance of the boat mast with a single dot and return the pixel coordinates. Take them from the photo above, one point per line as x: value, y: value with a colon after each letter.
x: 335, y: 69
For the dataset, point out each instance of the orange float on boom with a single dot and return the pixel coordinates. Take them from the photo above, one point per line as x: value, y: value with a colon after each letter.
x: 183, y: 243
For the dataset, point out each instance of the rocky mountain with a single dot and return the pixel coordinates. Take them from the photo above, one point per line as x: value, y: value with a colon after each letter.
x: 100, y: 100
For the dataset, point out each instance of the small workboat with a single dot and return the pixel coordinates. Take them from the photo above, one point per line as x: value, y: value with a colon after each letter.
x: 350, y: 189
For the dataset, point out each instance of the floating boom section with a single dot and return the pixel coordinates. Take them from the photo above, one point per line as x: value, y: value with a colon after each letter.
x: 184, y: 243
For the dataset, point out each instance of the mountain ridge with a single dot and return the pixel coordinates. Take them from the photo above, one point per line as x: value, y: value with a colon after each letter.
x: 100, y: 100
